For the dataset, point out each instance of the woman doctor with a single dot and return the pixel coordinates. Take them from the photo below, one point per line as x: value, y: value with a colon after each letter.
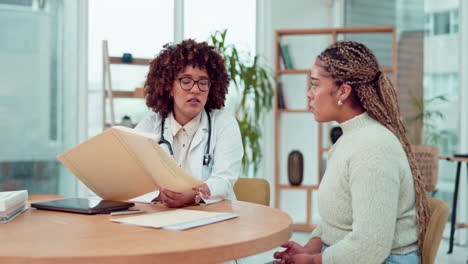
x: 186, y: 88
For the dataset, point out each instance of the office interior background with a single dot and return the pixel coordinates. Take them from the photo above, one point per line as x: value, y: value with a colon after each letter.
x: 51, y: 76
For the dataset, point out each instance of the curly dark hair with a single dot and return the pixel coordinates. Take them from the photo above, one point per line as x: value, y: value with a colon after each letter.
x: 173, y: 59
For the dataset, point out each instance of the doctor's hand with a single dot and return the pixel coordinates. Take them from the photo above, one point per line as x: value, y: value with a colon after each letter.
x: 204, y: 190
x: 177, y: 199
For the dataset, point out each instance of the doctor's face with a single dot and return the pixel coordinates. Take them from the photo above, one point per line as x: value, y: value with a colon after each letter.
x: 190, y: 92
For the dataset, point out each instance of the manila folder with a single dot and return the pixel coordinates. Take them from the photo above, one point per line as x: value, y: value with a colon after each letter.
x: 121, y: 163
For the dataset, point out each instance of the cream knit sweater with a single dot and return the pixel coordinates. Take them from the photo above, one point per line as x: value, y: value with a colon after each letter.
x: 366, y: 198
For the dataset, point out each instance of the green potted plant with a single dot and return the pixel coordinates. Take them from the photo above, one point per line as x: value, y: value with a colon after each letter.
x: 253, y: 83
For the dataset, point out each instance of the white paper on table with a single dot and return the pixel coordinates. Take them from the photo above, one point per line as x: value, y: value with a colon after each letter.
x: 178, y: 219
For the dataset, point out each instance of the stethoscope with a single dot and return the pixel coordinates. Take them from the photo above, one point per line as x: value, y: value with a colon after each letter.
x: 206, y: 157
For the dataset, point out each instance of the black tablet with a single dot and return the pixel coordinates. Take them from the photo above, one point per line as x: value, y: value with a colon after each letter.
x: 82, y: 205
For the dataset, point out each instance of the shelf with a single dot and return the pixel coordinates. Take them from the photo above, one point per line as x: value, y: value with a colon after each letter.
x: 461, y: 225
x: 302, y: 71
x: 302, y: 187
x: 293, y: 71
x: 107, y: 125
x: 458, y: 159
x: 293, y: 111
x: 135, y: 61
x: 361, y: 30
x: 303, y: 227
x: 137, y: 93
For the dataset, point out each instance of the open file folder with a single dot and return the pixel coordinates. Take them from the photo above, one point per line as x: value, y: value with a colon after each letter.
x: 122, y: 163
x: 179, y: 219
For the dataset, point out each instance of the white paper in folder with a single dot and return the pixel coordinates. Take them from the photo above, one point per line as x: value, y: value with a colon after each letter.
x: 179, y: 219
x: 121, y: 163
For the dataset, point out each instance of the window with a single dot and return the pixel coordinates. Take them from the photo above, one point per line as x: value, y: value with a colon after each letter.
x: 203, y: 17
x: 138, y: 27
x: 428, y: 24
x: 442, y: 23
x: 37, y: 118
x: 454, y: 21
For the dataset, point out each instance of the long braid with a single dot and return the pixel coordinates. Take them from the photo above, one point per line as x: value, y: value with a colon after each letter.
x: 354, y: 64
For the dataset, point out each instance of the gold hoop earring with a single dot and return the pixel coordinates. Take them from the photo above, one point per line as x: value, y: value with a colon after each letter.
x: 340, y: 103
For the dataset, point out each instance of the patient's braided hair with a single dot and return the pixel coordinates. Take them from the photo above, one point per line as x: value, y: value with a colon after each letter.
x: 352, y: 63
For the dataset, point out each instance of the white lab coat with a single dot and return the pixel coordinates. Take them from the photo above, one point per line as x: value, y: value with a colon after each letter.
x: 225, y: 149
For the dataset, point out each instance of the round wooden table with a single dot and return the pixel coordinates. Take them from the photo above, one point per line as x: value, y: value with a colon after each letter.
x: 40, y: 236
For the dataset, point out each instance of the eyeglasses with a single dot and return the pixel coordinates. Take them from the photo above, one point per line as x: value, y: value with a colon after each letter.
x: 187, y: 84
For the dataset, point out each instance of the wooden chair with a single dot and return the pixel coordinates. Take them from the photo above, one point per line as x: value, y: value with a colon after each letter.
x: 253, y: 191
x: 427, y: 160
x: 439, y: 215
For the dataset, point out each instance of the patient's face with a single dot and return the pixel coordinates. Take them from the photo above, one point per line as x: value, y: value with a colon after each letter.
x: 323, y: 102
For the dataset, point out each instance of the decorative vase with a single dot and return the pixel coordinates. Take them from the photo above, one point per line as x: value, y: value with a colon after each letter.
x: 127, y: 121
x: 335, y: 134
x: 127, y: 58
x: 295, y: 167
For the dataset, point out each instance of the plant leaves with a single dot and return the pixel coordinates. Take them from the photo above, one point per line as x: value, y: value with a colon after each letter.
x: 254, y: 85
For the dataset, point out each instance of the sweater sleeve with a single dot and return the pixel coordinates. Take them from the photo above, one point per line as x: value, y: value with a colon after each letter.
x: 317, y: 232
x: 374, y: 186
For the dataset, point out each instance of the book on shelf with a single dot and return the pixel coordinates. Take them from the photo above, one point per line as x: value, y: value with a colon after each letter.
x: 121, y: 163
x: 287, y: 56
x: 280, y: 95
x: 12, y: 204
x: 282, y: 58
x: 179, y: 219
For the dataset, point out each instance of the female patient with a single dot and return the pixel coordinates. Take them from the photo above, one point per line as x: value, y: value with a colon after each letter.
x: 186, y: 88
x: 371, y: 199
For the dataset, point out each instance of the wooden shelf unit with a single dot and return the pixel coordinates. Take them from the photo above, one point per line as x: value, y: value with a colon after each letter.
x: 333, y: 32
x: 137, y: 93
x: 107, y: 92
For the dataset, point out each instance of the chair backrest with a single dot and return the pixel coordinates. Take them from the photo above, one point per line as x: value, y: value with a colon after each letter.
x: 435, y: 229
x: 253, y: 191
x: 427, y: 160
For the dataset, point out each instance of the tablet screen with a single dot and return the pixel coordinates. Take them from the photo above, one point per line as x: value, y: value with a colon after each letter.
x: 82, y: 205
